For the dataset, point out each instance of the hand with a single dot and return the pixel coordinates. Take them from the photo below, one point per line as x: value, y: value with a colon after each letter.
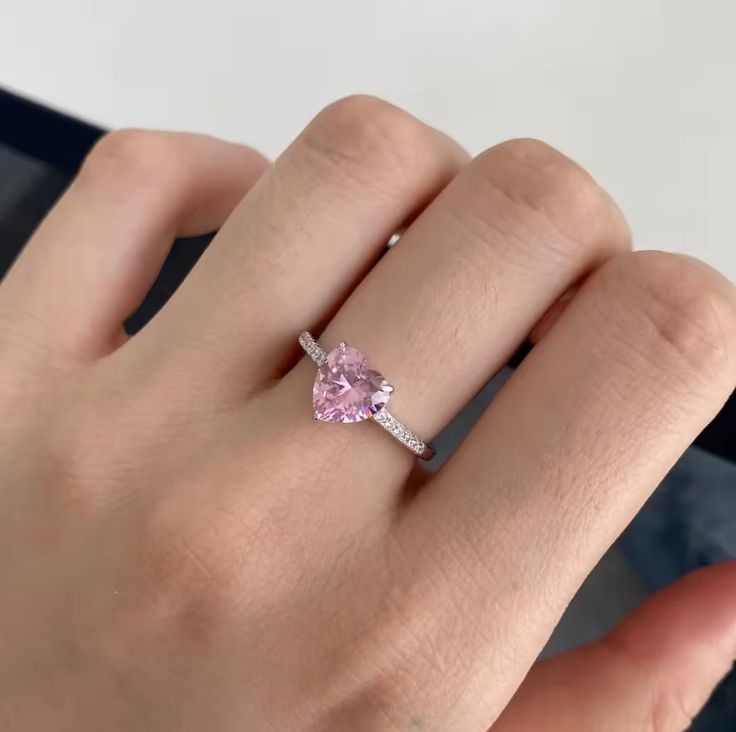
x: 184, y: 548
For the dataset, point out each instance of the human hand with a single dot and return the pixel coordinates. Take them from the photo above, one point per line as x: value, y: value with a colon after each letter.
x: 184, y: 548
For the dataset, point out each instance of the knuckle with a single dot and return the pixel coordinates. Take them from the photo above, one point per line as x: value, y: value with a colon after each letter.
x: 77, y: 478
x: 201, y: 570
x: 666, y: 701
x: 670, y: 708
x: 140, y: 155
x: 188, y: 573
x: 401, y: 651
x: 688, y: 310
x: 367, y: 138
x: 546, y: 183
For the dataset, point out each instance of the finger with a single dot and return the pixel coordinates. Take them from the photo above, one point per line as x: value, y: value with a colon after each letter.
x: 96, y: 255
x: 447, y: 307
x: 573, y: 444
x: 299, y: 242
x: 654, y: 672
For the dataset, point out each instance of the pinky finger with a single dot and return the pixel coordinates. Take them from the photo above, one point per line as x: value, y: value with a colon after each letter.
x: 653, y: 672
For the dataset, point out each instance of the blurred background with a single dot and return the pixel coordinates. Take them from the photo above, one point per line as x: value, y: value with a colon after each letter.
x: 640, y: 92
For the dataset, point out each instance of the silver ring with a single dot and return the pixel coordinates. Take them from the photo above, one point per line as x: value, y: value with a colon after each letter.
x: 347, y: 390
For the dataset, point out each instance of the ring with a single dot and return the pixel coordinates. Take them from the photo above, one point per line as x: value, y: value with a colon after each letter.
x: 346, y: 390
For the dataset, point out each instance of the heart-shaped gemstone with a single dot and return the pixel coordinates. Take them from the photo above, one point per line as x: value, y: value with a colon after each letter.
x: 346, y: 389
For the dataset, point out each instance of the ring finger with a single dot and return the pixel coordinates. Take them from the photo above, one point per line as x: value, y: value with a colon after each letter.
x: 472, y: 275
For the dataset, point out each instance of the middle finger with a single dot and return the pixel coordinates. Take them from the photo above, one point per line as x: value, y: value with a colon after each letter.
x: 296, y: 245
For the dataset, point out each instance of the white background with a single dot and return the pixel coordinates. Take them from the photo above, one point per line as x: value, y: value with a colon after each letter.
x: 641, y: 92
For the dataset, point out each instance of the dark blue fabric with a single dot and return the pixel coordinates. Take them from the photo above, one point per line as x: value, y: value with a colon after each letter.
x: 690, y: 522
x: 45, y: 134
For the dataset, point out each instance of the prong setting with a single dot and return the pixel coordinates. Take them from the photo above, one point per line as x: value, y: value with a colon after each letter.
x: 382, y: 417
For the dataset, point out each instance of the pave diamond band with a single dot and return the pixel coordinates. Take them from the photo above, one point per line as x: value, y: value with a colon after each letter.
x: 346, y: 390
x: 312, y: 348
x: 403, y: 435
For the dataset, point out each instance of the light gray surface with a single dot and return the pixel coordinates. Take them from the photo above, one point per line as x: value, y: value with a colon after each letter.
x: 640, y: 92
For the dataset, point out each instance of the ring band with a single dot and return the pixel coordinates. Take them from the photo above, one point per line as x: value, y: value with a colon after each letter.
x: 347, y: 390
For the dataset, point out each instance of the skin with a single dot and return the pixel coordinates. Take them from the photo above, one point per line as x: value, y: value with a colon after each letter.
x: 184, y: 548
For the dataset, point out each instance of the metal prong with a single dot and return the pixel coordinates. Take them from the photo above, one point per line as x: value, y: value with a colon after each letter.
x: 315, y: 417
x: 388, y: 388
x: 394, y: 240
x: 342, y: 345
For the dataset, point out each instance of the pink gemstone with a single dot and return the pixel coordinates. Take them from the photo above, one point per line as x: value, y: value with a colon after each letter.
x: 346, y: 389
